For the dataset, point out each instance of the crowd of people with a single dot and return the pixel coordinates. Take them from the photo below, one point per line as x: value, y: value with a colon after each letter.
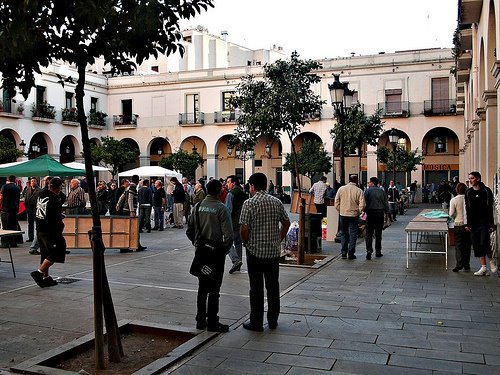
x: 223, y: 217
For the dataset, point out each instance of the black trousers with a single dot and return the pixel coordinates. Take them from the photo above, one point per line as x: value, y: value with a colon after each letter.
x: 207, y: 301
x: 9, y: 222
x: 321, y: 208
x: 462, y: 246
x: 374, y: 226
x: 262, y: 271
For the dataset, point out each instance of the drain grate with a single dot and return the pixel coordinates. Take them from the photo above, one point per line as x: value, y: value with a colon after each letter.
x: 66, y: 280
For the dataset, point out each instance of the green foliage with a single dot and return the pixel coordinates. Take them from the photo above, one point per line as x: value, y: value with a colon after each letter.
x: 359, y: 129
x: 114, y: 153
x: 281, y: 102
x: 312, y: 160
x: 39, y: 32
x: 8, y: 151
x: 184, y: 162
x: 406, y: 161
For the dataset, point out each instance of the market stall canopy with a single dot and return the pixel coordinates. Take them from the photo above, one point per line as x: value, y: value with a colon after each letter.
x: 76, y: 165
x: 41, y: 166
x: 151, y: 170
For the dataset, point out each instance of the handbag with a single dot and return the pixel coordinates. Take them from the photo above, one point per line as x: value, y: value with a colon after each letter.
x: 203, y: 265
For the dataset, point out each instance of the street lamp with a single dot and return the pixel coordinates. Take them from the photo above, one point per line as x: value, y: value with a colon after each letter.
x: 267, y: 149
x: 22, y: 145
x: 341, y: 98
x: 393, y: 139
x: 241, y: 155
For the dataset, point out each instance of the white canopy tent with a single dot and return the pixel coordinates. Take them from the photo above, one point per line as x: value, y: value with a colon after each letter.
x: 151, y: 171
x: 95, y: 168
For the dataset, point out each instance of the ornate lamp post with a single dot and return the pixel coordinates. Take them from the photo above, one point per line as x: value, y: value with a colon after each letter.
x: 341, y: 98
x: 242, y: 155
x: 393, y: 139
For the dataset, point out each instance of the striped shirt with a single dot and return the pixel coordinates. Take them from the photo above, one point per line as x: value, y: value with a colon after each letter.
x: 262, y: 214
x: 76, y: 198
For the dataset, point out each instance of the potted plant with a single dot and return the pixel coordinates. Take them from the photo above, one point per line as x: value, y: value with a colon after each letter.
x: 97, y: 117
x: 20, y: 109
x: 70, y: 114
x: 43, y: 110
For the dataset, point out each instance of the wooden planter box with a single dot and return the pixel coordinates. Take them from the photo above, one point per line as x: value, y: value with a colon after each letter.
x: 119, y: 232
x: 310, y: 207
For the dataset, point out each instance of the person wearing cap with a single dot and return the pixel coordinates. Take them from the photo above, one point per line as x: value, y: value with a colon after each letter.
x: 49, y: 224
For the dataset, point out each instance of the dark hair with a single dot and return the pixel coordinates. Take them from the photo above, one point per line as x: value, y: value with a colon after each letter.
x: 214, y: 187
x: 353, y: 178
x: 11, y: 178
x: 258, y: 180
x: 461, y: 188
x: 135, y: 179
x: 476, y: 174
x: 145, y: 182
x: 174, y: 179
x: 234, y: 179
x: 55, y: 182
x: 374, y: 180
x: 323, y: 178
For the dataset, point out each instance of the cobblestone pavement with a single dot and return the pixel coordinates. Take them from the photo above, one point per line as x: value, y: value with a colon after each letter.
x: 348, y: 317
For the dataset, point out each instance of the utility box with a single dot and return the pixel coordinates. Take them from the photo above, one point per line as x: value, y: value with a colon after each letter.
x: 313, y: 232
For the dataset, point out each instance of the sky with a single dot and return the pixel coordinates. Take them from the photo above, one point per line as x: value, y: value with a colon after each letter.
x: 319, y: 29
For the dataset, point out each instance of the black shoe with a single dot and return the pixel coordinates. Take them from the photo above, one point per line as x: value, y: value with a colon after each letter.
x: 141, y: 248
x: 125, y: 251
x: 351, y: 257
x: 236, y: 267
x: 272, y: 325
x: 201, y: 325
x: 154, y: 228
x: 368, y: 256
x: 456, y: 269
x: 160, y: 230
x: 467, y: 268
x: 219, y: 327
x: 248, y: 325
x: 34, y: 252
x: 68, y: 252
x: 344, y: 256
x: 49, y: 281
x: 379, y: 255
x: 38, y: 277
x: 149, y: 231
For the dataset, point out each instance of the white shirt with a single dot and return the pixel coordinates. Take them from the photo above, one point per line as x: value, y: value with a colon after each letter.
x: 457, y: 210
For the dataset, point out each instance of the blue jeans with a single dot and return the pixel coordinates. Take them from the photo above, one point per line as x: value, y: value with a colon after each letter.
x: 31, y: 223
x: 349, y: 226
x: 235, y: 253
x: 159, y: 216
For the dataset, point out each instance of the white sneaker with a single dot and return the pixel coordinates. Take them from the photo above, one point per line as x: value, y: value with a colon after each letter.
x: 482, y: 272
x: 493, y: 266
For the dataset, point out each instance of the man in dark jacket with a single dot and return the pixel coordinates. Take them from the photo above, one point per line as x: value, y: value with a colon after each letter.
x: 30, y: 199
x: 179, y: 196
x: 10, y: 195
x: 210, y: 220
x: 234, y: 202
x: 376, y: 207
x: 49, y: 225
x: 480, y: 222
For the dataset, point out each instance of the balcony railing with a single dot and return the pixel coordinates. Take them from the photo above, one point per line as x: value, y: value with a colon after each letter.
x: 43, y: 112
x: 195, y: 118
x: 314, y: 116
x: 226, y: 116
x: 394, y: 109
x: 440, y: 107
x: 125, y: 121
x: 12, y: 108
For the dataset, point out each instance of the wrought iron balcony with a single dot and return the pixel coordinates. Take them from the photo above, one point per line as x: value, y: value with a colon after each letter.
x: 125, y: 121
x: 440, y: 107
x: 394, y: 109
x: 195, y: 118
x: 226, y: 116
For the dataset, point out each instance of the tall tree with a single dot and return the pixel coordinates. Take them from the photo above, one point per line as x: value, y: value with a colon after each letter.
x: 184, y: 162
x: 359, y: 130
x: 37, y: 33
x: 282, y: 102
x: 113, y: 153
x: 402, y: 160
x: 312, y: 160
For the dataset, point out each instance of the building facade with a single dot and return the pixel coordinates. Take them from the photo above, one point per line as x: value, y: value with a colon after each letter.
x: 158, y: 111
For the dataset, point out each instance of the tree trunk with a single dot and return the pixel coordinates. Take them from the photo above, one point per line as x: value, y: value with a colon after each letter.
x: 102, y: 295
x: 302, y: 211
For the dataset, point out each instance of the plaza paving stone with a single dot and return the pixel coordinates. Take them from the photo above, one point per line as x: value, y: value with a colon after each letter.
x: 348, y: 317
